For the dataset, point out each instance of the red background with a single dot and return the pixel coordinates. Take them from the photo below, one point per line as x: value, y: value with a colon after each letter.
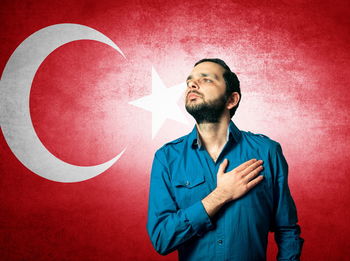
x: 293, y: 62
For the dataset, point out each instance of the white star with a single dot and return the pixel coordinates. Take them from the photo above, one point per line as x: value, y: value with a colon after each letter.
x: 162, y: 103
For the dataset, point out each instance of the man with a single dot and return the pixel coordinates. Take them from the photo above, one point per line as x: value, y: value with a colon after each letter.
x: 217, y: 192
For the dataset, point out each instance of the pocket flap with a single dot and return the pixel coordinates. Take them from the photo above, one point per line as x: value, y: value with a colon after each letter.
x: 190, y: 182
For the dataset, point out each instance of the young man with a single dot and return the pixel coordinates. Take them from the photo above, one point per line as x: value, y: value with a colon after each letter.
x: 217, y: 192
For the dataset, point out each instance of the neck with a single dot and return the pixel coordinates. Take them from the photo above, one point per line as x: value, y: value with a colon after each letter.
x: 213, y: 135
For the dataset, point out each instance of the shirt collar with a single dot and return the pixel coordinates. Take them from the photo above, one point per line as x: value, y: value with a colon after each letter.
x: 232, y: 132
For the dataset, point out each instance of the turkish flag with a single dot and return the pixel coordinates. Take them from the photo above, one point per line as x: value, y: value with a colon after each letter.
x: 109, y: 90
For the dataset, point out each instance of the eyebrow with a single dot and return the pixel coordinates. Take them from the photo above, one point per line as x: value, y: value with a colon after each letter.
x: 190, y: 77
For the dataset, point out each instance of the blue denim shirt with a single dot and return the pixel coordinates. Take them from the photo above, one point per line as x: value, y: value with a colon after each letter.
x: 183, y: 174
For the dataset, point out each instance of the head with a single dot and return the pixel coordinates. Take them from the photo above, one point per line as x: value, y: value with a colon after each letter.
x: 213, y: 90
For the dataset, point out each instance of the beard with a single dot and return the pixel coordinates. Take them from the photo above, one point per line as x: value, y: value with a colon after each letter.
x: 207, y: 111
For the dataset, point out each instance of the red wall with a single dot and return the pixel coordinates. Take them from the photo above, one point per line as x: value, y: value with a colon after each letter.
x: 292, y: 58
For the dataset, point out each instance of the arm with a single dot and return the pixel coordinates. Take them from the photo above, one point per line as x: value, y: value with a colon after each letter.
x: 287, y: 232
x: 168, y: 226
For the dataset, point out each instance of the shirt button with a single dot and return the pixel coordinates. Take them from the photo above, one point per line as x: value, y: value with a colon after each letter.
x: 187, y: 183
x: 220, y: 242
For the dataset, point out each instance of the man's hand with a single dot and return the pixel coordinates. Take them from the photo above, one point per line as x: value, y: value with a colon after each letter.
x: 237, y: 182
x: 233, y: 184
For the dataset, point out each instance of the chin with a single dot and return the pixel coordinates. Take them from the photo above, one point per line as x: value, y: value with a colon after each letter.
x: 193, y: 103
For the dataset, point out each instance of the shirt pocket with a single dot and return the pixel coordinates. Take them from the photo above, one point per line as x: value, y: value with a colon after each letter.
x: 190, y: 190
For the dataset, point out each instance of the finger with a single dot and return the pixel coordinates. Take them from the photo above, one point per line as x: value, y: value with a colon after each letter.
x: 223, y: 166
x: 254, y: 182
x: 252, y: 167
x: 253, y: 173
x: 244, y: 165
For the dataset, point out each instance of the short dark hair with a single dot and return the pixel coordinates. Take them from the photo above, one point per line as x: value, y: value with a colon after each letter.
x: 231, y: 80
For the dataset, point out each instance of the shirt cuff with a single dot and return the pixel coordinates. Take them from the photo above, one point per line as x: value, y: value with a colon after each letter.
x: 198, y: 218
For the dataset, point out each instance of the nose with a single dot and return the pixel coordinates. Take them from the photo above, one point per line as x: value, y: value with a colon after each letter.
x: 193, y: 85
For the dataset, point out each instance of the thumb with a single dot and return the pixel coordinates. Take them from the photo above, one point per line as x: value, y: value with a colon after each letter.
x: 222, y: 167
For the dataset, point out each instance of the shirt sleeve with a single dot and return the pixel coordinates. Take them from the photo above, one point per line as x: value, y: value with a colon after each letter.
x: 167, y: 225
x: 287, y: 231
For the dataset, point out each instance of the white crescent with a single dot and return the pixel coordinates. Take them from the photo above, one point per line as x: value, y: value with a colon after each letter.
x: 15, y: 85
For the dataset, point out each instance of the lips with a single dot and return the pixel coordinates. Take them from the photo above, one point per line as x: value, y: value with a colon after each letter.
x: 193, y: 95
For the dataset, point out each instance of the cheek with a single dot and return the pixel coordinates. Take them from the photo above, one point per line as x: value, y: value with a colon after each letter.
x: 213, y: 93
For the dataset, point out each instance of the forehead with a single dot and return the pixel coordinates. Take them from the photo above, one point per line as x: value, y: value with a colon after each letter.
x: 210, y: 68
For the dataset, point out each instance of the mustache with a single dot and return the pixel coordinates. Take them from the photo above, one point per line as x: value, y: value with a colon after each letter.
x: 194, y: 91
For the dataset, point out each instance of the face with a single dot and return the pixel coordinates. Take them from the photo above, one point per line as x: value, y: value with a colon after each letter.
x: 206, y: 92
x: 205, y: 83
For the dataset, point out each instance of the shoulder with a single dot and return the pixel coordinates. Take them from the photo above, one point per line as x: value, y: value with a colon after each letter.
x: 172, y: 148
x: 266, y: 149
x: 260, y: 141
x: 174, y: 144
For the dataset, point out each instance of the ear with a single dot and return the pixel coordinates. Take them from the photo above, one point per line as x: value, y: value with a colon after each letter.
x: 233, y: 100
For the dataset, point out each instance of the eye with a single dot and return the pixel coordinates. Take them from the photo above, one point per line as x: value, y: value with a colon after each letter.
x: 207, y: 80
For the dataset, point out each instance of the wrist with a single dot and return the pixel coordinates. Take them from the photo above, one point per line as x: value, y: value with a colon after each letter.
x: 221, y: 196
x: 214, y: 201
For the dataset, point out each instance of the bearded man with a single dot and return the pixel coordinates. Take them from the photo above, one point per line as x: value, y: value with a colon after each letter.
x: 217, y: 192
